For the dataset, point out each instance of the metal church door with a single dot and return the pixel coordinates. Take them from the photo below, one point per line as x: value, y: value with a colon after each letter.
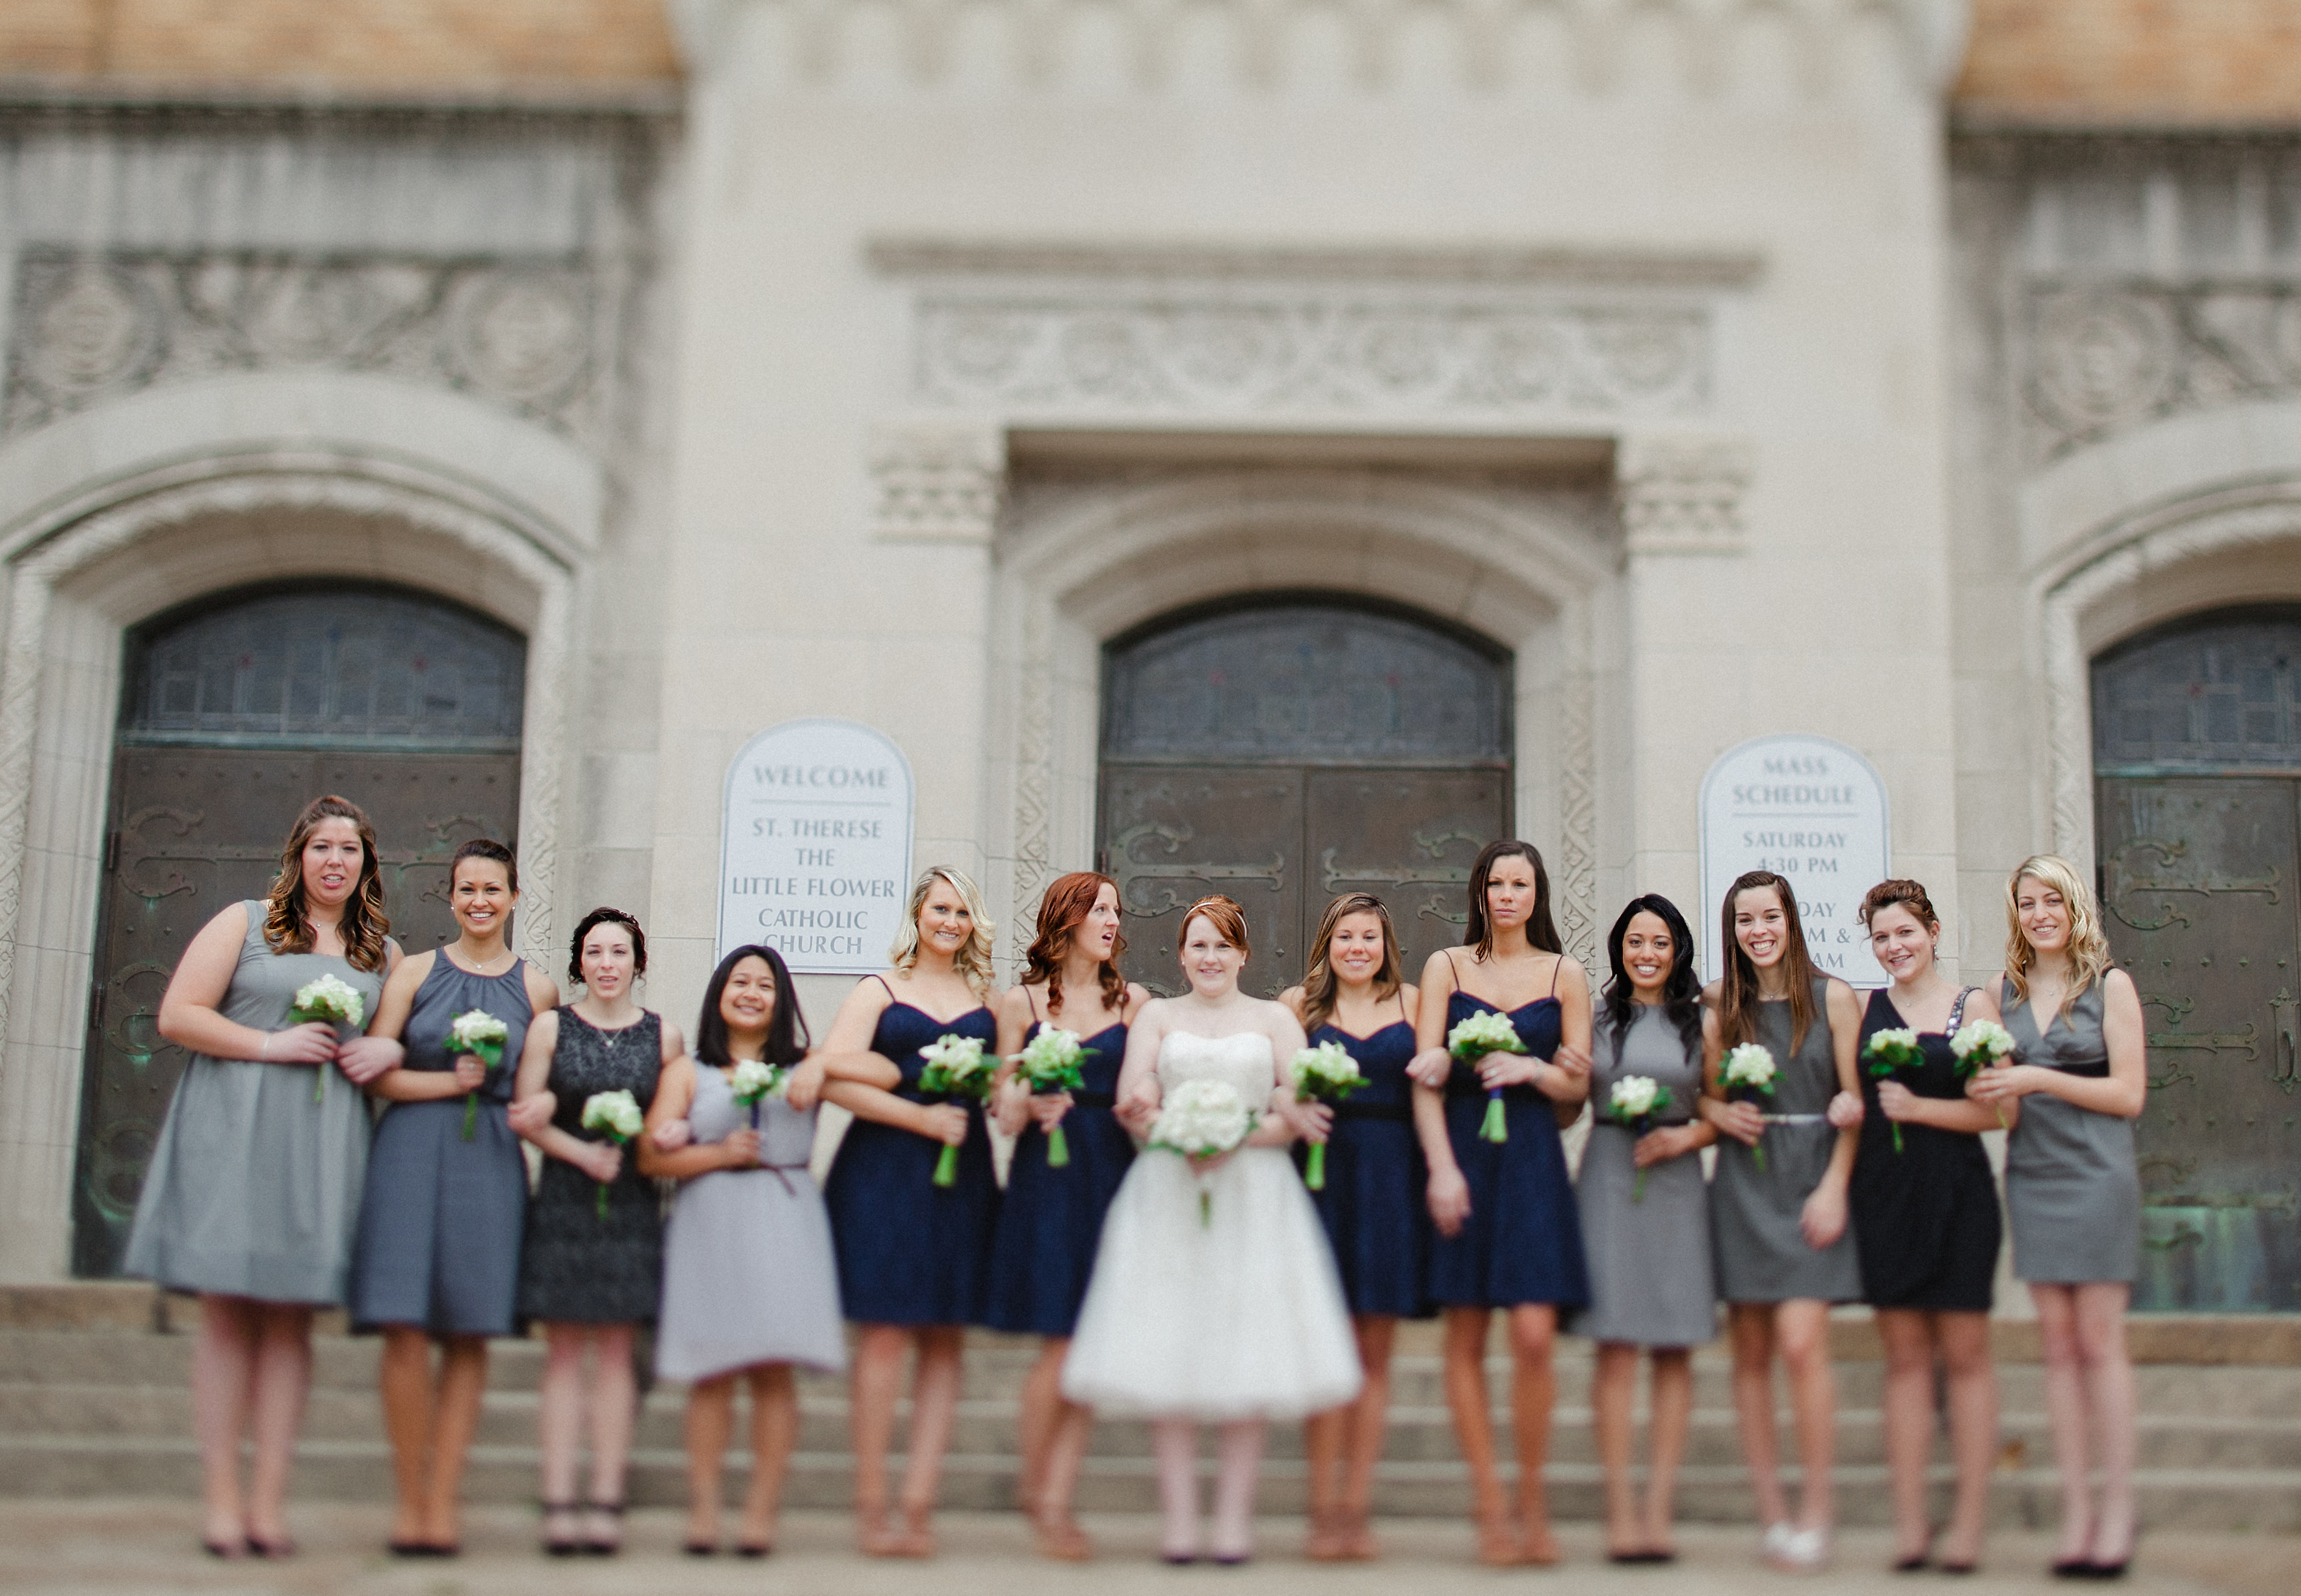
x: 233, y: 720
x: 2197, y: 744
x: 1289, y: 752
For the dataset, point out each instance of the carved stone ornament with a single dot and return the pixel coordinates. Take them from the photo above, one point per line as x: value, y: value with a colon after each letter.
x: 936, y: 481
x: 1683, y: 494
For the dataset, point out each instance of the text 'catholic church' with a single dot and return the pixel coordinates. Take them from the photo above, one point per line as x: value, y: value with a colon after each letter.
x: 1264, y: 448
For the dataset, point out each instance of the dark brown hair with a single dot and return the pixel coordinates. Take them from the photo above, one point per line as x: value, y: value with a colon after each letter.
x: 1229, y: 921
x: 488, y: 848
x: 1737, y: 989
x: 1541, y: 931
x: 1319, y: 980
x: 604, y: 917
x: 1900, y: 889
x: 1061, y: 912
x: 287, y: 921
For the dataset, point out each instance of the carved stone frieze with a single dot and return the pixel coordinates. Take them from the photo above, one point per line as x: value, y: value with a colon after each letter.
x: 936, y: 481
x: 93, y: 328
x: 1682, y: 494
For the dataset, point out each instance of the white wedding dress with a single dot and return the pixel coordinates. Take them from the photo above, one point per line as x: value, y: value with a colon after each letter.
x: 1239, y: 1316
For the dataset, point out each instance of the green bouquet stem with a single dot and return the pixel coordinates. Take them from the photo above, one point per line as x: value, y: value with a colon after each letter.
x: 1059, y: 1147
x: 601, y: 1204
x: 1206, y: 1208
x: 471, y: 1114
x: 1897, y: 1135
x: 1638, y: 1186
x: 1495, y: 1126
x: 320, y: 1084
x: 1314, y: 1173
x: 1758, y: 1151
x: 946, y: 1172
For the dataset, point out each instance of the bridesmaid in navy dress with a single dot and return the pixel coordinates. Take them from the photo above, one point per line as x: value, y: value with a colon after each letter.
x: 1050, y: 1220
x: 914, y: 1258
x: 1355, y: 993
x: 1509, y: 1234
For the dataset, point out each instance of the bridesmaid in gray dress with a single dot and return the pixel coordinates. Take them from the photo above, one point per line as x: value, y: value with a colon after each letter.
x: 438, y: 1254
x: 1652, y: 1285
x: 749, y: 1283
x: 1784, y: 1253
x: 2071, y: 1188
x: 254, y: 1181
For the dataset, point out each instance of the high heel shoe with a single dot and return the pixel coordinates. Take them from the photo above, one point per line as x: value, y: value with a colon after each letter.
x: 561, y: 1546
x: 600, y: 1546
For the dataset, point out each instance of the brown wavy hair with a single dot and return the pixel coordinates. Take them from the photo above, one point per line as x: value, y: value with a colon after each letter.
x: 1738, y: 988
x: 1540, y: 930
x: 1908, y: 894
x: 287, y: 924
x: 1224, y: 914
x: 1319, y: 980
x: 1061, y: 912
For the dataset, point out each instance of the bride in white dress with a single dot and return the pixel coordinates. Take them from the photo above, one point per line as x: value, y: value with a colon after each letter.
x: 1230, y: 1319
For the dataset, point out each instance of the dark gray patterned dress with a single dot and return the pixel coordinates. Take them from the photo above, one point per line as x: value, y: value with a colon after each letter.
x: 576, y: 1267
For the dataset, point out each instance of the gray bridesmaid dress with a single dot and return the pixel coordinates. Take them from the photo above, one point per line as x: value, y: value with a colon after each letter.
x: 254, y: 1189
x: 439, y: 1224
x: 1652, y: 1283
x: 749, y: 1276
x: 2071, y: 1188
x: 1762, y: 1256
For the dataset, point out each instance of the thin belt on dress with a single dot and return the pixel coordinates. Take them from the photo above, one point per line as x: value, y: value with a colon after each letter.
x: 2096, y: 1070
x: 1094, y: 1099
x: 1389, y: 1111
x: 1796, y: 1119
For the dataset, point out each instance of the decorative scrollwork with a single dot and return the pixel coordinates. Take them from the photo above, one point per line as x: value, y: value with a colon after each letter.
x: 1128, y: 870
x: 2123, y: 881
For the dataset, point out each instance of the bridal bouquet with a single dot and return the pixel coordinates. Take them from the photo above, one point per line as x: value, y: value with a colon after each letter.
x: 1050, y: 1064
x: 1748, y: 1075
x: 1327, y: 1072
x: 1890, y: 1052
x: 332, y: 1000
x: 616, y: 1115
x: 1980, y: 1045
x: 956, y: 1068
x: 1202, y: 1119
x: 480, y: 1035
x: 1632, y: 1104
x: 754, y: 1078
x: 1484, y: 1032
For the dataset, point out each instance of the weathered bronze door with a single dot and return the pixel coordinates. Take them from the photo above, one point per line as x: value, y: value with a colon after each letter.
x: 414, y: 709
x: 2199, y: 833
x: 1292, y: 751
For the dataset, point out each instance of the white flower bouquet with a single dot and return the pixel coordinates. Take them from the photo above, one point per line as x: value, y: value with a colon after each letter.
x: 1889, y: 1052
x: 1050, y: 1064
x: 615, y: 1115
x: 330, y: 1000
x: 1327, y: 1072
x: 1748, y: 1073
x: 1632, y: 1104
x: 477, y: 1034
x: 1202, y: 1119
x: 1489, y: 1030
x: 1981, y: 1045
x: 956, y: 1068
x: 754, y: 1081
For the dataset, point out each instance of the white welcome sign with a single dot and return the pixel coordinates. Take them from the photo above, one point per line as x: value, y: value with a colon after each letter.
x: 1813, y: 812
x: 815, y: 856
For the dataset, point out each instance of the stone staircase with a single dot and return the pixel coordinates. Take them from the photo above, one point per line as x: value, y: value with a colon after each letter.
x: 95, y: 1400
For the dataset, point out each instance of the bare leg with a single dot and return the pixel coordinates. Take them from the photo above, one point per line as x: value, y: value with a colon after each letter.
x: 1533, y: 1394
x: 1802, y: 1335
x: 223, y: 1381
x: 1325, y: 1436
x: 873, y: 1387
x: 462, y: 1386
x: 1042, y: 1405
x: 1751, y: 1325
x: 614, y: 1408
x: 2065, y: 1416
x: 775, y: 1431
x: 2109, y: 1387
x: 1467, y: 1398
x: 403, y: 1375
x: 1059, y: 1535
x: 710, y: 1423
x: 1613, y: 1388
x: 1175, y: 1443
x: 1909, y: 1341
x: 934, y: 1407
x: 558, y: 1423
x: 1241, y: 1456
x: 283, y: 1379
x: 1377, y: 1334
x: 1965, y: 1339
x: 1672, y: 1404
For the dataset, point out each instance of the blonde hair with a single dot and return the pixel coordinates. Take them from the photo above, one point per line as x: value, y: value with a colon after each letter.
x: 972, y: 961
x: 2089, y: 955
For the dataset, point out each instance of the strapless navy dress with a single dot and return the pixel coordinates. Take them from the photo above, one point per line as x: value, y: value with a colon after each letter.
x: 1523, y: 1240
x: 1374, y: 1206
x: 911, y: 1252
x: 1050, y: 1220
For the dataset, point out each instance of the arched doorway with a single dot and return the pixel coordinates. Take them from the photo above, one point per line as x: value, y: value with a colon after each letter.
x: 234, y: 712
x: 1288, y: 748
x: 2197, y: 768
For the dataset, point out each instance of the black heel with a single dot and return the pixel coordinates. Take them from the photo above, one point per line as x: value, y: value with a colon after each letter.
x: 595, y: 1547
x: 554, y: 1545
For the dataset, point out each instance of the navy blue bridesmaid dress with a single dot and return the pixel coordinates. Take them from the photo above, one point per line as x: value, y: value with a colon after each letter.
x: 1523, y: 1240
x: 1050, y: 1220
x: 911, y: 1252
x: 1374, y: 1206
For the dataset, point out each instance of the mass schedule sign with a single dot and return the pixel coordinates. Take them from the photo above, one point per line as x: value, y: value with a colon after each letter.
x: 1813, y: 812
x: 815, y: 859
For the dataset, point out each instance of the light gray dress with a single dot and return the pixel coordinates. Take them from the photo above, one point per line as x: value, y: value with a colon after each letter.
x: 1762, y: 1256
x: 748, y: 1272
x: 1651, y: 1279
x: 254, y: 1189
x: 2071, y: 1188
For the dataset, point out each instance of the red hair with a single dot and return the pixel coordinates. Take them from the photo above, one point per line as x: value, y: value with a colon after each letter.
x: 1061, y: 912
x: 1223, y: 914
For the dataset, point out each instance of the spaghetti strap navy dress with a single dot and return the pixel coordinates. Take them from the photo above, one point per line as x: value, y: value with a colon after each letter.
x: 911, y: 1252
x: 1522, y: 1241
x: 1373, y: 1206
x: 1925, y: 1217
x: 1050, y: 1219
